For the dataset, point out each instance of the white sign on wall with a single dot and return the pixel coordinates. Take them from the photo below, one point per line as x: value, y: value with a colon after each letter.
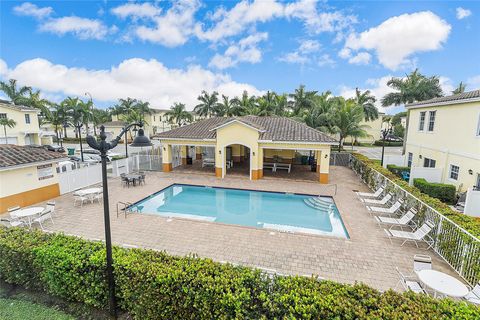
x: 45, y: 171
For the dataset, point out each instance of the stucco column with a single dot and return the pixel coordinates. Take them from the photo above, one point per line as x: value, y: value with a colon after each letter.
x: 184, y: 153
x: 167, y: 157
x: 219, y: 162
x: 198, y: 153
x: 256, y: 163
x: 323, y: 165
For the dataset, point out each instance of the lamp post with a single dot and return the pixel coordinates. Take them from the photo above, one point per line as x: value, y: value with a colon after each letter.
x: 385, y: 132
x: 78, y: 126
x: 103, y: 146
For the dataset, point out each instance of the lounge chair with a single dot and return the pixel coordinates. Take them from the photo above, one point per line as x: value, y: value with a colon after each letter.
x: 376, y: 194
x: 12, y: 222
x: 421, y: 234
x: 402, y: 221
x: 421, y: 262
x: 382, y: 210
x: 381, y: 202
x: 409, y: 283
x: 269, y: 165
x: 474, y: 295
x: 283, y: 166
x: 42, y: 217
x: 13, y: 209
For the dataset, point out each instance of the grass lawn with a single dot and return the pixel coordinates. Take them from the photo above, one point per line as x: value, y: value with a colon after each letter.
x: 13, y: 309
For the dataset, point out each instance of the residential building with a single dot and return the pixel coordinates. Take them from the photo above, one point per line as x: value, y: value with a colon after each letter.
x: 27, y: 175
x: 26, y: 130
x: 249, y: 142
x: 373, y: 129
x: 444, y: 133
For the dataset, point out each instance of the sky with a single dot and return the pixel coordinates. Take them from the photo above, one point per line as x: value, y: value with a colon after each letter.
x: 165, y: 52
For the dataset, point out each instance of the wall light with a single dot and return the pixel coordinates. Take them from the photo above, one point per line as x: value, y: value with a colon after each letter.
x: 470, y: 171
x: 326, y: 155
x: 219, y: 151
x: 164, y: 149
x: 420, y: 156
x: 253, y: 153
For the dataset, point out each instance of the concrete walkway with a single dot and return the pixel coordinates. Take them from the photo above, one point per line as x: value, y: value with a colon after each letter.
x: 366, y: 257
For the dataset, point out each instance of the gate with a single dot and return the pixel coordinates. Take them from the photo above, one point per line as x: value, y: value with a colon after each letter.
x: 340, y: 159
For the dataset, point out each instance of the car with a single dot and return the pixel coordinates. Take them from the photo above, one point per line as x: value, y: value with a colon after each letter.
x: 393, y: 138
x: 91, y: 151
x: 55, y: 148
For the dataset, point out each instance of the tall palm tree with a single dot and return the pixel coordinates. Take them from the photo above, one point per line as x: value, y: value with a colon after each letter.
x: 16, y: 95
x: 143, y: 108
x: 100, y: 116
x: 6, y: 122
x: 178, y: 114
x: 262, y: 107
x: 367, y: 101
x: 321, y: 115
x: 226, y: 108
x: 244, y: 103
x: 77, y: 112
x: 57, y: 117
x: 460, y: 89
x: 35, y: 101
x: 301, y: 100
x: 207, y: 104
x: 280, y: 104
x: 414, y: 87
x: 125, y: 106
x: 347, y: 119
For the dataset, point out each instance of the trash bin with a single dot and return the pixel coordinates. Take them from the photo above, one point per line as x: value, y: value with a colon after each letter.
x: 189, y: 160
x: 304, y: 160
x: 71, y: 151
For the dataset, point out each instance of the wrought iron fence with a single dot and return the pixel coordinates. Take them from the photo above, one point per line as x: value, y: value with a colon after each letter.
x: 459, y: 248
x: 340, y: 159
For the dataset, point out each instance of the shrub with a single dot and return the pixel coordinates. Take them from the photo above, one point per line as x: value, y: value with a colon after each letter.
x: 155, y: 285
x: 397, y: 169
x: 388, y: 143
x: 444, y: 192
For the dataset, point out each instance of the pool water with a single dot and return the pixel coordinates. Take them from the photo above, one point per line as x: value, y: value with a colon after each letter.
x: 259, y: 209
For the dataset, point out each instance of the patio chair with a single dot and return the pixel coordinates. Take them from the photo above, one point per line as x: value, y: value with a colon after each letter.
x: 98, y: 196
x: 79, y: 198
x: 376, y: 194
x: 50, y: 207
x: 12, y: 222
x: 125, y: 181
x: 142, y: 177
x: 409, y: 283
x: 421, y: 234
x: 381, y: 202
x: 402, y: 221
x: 42, y: 217
x: 13, y: 209
x: 382, y: 210
x: 474, y: 295
x: 421, y: 262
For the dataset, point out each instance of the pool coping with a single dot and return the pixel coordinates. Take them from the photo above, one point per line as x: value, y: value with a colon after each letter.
x: 348, y: 237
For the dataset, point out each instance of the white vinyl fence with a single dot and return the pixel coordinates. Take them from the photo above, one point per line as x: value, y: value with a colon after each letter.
x: 429, y: 174
x: 459, y: 248
x: 79, y: 178
x: 137, y: 162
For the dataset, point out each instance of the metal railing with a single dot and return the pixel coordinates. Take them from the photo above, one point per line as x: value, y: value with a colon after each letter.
x: 458, y: 247
x: 126, y: 208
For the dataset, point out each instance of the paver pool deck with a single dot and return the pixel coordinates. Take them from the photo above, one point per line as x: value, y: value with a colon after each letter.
x: 366, y: 257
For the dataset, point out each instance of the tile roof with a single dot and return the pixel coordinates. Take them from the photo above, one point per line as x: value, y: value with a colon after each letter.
x: 456, y: 98
x: 13, y: 155
x: 271, y: 128
x: 8, y: 104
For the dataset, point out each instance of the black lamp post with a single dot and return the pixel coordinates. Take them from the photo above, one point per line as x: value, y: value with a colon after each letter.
x: 385, y: 133
x: 103, y: 146
x: 78, y: 126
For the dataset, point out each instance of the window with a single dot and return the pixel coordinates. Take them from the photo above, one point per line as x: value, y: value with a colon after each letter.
x: 3, y: 116
x: 153, y: 118
x: 431, y: 120
x: 421, y: 125
x: 454, y: 170
x: 429, y: 163
x: 27, y: 118
x: 410, y: 159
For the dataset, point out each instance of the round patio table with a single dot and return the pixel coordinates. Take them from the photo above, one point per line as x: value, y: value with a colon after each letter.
x: 442, y: 283
x: 28, y: 213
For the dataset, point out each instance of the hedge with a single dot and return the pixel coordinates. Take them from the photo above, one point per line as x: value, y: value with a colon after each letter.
x: 444, y: 192
x: 154, y: 285
x: 388, y: 143
x: 397, y: 169
x: 471, y: 224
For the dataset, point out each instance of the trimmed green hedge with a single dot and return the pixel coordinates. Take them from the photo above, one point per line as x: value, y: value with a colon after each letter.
x: 471, y: 224
x: 397, y: 169
x: 154, y: 285
x: 388, y: 143
x: 444, y: 192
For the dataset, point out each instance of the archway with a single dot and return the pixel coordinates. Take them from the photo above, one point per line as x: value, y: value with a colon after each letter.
x: 237, y: 160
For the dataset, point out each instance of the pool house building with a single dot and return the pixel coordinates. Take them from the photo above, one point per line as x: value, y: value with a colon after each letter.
x: 249, y: 144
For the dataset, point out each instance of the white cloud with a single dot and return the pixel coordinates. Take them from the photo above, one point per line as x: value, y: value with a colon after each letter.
x: 463, y: 13
x: 378, y: 88
x: 295, y: 57
x: 446, y: 84
x: 308, y: 46
x: 148, y: 80
x: 245, y: 51
x: 307, y: 52
x: 473, y: 83
x: 325, y: 60
x: 174, y: 27
x: 32, y: 10
x: 238, y: 19
x: 397, y: 38
x: 360, y: 58
x: 82, y: 28
x: 136, y: 10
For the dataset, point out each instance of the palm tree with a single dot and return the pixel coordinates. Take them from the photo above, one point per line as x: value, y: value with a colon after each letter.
x: 6, y: 122
x: 143, y: 108
x: 367, y: 101
x: 17, y: 96
x: 125, y: 106
x: 226, y: 108
x: 280, y: 105
x: 100, y: 116
x: 208, y: 103
x: 347, y: 119
x: 244, y: 103
x: 460, y: 89
x: 57, y: 117
x: 321, y: 115
x: 263, y: 107
x: 301, y: 100
x: 415, y: 87
x: 178, y: 114
x: 35, y: 101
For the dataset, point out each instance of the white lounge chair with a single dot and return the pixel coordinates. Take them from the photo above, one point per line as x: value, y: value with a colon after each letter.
x: 409, y: 283
x: 12, y: 222
x: 45, y: 215
x: 402, y: 221
x: 376, y: 194
x: 474, y: 295
x: 421, y: 234
x: 421, y: 262
x: 382, y: 210
x: 381, y: 202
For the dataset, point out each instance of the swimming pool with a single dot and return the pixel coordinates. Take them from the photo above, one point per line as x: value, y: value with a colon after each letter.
x: 259, y: 209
